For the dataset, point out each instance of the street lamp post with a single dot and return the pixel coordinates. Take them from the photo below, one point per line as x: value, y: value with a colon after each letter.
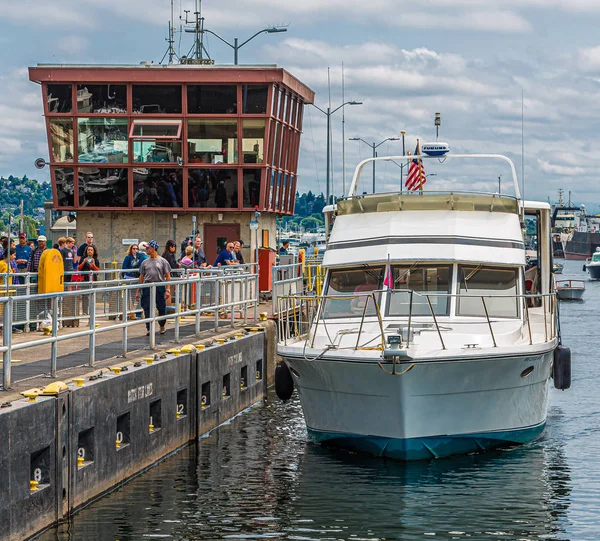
x: 403, y: 133
x: 374, y: 147
x: 328, y: 114
x: 236, y: 47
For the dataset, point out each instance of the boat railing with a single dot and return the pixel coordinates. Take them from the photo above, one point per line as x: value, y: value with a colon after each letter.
x: 301, y: 316
x: 575, y: 284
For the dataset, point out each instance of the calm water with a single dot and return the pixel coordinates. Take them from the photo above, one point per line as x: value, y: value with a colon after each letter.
x: 260, y: 478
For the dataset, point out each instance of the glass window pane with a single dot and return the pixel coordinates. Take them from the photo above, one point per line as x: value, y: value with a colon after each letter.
x: 252, y: 185
x: 275, y: 110
x: 64, y: 178
x: 271, y: 189
x: 61, y: 139
x: 156, y: 128
x: 212, y: 100
x: 157, y: 187
x: 283, y: 192
x: 356, y: 284
x: 213, y: 188
x: 212, y: 141
x: 253, y: 134
x: 102, y: 187
x: 278, y: 188
x: 106, y: 99
x: 102, y: 140
x: 152, y: 151
x: 485, y: 281
x: 156, y: 99
x: 254, y: 99
x: 59, y: 98
x: 429, y: 279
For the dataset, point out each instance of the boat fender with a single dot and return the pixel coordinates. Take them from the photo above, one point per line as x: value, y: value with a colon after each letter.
x: 584, y: 267
x: 561, y: 368
x: 284, y: 384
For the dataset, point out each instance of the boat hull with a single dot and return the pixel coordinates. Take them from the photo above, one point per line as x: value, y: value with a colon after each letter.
x: 570, y: 294
x: 436, y: 409
x: 593, y: 270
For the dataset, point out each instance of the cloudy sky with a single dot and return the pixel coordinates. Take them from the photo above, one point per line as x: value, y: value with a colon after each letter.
x: 470, y: 60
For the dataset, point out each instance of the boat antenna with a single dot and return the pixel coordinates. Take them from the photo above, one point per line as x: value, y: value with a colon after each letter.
x: 171, y: 41
x: 198, y: 54
x: 343, y: 137
x: 561, y: 192
x: 523, y: 142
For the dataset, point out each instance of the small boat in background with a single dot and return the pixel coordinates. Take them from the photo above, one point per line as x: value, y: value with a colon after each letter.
x: 570, y: 290
x: 557, y: 268
x: 592, y: 265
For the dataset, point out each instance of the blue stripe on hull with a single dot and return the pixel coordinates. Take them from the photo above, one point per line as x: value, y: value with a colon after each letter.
x: 428, y: 447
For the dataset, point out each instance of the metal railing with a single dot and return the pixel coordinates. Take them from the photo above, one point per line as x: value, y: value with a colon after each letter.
x: 220, y: 292
x: 301, y: 316
x: 295, y: 278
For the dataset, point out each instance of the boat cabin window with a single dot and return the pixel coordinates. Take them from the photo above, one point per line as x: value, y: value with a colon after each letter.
x: 424, y: 280
x: 498, y: 283
x: 355, y: 284
x: 596, y: 256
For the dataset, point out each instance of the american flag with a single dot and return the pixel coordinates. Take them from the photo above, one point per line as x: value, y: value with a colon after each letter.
x: 416, y: 173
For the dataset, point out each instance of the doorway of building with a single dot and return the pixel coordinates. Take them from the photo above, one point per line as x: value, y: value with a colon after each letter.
x: 216, y: 237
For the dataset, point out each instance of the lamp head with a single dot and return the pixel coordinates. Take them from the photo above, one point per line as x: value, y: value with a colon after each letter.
x: 354, y: 139
x: 394, y: 139
x: 276, y: 29
x: 355, y: 103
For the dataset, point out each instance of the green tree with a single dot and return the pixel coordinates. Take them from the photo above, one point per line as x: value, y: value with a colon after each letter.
x: 310, y: 223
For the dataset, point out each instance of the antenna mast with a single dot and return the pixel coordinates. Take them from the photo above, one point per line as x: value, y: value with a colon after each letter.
x: 198, y: 53
x: 561, y: 202
x: 170, y: 40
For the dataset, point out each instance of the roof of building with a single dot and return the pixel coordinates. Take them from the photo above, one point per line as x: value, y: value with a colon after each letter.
x: 146, y: 72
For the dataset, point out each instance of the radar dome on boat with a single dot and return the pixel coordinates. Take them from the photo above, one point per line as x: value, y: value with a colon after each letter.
x: 435, y: 149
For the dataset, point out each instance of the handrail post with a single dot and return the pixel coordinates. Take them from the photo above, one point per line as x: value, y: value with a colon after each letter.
x: 217, y: 292
x: 528, y: 322
x: 256, y: 297
x: 435, y: 321
x: 232, y: 301
x: 410, y: 307
x: 92, y: 346
x: 246, y: 294
x: 198, y: 299
x: 177, y: 311
x: 152, y: 315
x: 54, y: 348
x: 545, y: 319
x: 489, y: 322
x: 27, y: 302
x: 7, y: 343
x: 125, y: 316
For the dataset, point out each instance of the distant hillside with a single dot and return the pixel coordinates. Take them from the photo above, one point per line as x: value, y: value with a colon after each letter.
x: 32, y: 192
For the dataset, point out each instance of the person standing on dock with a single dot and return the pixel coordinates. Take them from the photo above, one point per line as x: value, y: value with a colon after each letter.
x: 154, y: 269
x: 82, y: 250
x: 23, y: 252
x: 34, y: 260
x: 200, y: 261
x: 226, y: 257
x: 237, y: 250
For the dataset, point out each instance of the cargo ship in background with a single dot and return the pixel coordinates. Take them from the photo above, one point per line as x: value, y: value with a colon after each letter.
x: 575, y: 234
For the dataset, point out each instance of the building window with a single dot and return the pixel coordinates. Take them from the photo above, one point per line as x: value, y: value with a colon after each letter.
x: 213, y: 188
x: 275, y: 110
x: 253, y: 140
x: 61, y: 139
x: 212, y: 141
x: 104, y: 99
x: 60, y: 99
x: 211, y: 100
x: 102, y: 140
x: 252, y: 185
x: 64, y: 179
x: 153, y: 151
x: 167, y: 129
x: 254, y: 99
x: 157, y: 187
x: 102, y: 187
x: 156, y: 99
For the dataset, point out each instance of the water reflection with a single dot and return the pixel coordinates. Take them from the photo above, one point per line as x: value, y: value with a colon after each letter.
x: 259, y: 477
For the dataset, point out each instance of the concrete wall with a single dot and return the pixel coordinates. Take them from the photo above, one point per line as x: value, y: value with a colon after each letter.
x: 49, y: 434
x: 110, y: 228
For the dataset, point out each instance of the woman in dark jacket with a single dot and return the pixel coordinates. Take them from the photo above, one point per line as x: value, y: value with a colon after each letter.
x: 169, y: 254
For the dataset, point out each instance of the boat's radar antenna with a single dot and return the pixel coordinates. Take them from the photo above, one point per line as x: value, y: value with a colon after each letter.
x: 435, y: 149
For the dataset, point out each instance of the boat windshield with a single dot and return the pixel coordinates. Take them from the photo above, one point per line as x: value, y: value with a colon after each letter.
x: 487, y: 282
x: 354, y: 283
x: 596, y: 256
x: 433, y: 280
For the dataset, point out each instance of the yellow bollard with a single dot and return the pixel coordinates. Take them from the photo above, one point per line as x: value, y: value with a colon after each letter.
x: 150, y: 428
x: 239, y: 335
x: 257, y: 376
x: 221, y: 340
x: 200, y: 347
x: 31, y: 395
x: 203, y: 402
x: 148, y: 360
x: 263, y: 316
x: 115, y: 369
x: 174, y: 352
x: 33, y: 485
x: 79, y: 461
x: 79, y: 381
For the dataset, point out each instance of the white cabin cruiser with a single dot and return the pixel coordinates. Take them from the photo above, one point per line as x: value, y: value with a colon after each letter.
x: 426, y: 342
